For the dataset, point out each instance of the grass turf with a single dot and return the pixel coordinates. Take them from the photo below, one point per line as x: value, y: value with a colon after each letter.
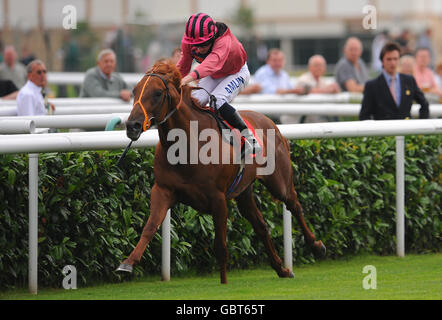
x: 411, y: 277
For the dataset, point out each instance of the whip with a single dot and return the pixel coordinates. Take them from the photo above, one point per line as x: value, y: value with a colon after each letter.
x: 124, y: 153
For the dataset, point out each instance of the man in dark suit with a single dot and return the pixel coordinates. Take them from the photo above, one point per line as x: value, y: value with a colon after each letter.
x: 8, y: 90
x: 391, y: 94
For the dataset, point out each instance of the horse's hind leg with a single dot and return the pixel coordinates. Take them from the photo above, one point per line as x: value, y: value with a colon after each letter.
x: 293, y: 205
x: 247, y: 207
x: 280, y: 185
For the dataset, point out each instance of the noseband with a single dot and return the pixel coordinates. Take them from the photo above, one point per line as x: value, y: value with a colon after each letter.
x: 148, y: 121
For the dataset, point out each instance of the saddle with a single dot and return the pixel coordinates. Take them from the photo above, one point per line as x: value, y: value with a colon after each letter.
x: 225, y: 128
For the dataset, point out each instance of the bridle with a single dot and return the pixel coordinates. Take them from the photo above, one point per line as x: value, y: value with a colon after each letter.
x: 148, y: 121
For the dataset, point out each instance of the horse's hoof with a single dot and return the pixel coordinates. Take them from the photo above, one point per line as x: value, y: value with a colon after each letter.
x: 320, y: 249
x: 125, y: 268
x: 323, y: 250
x: 286, y: 274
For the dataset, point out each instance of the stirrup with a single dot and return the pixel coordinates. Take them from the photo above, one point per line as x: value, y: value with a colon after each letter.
x: 251, y: 146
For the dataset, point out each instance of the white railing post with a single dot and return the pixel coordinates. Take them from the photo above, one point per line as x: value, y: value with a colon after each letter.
x: 33, y: 223
x: 287, y: 227
x: 400, y: 196
x: 165, y: 256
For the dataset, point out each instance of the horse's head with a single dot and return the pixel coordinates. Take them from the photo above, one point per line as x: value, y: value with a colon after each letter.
x: 155, y: 99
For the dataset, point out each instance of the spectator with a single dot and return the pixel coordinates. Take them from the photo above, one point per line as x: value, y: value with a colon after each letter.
x: 71, y: 54
x: 391, y: 94
x: 26, y: 55
x: 406, y: 65
x: 351, y: 72
x: 102, y: 81
x: 123, y: 50
x: 271, y: 78
x: 1, y: 51
x: 12, y: 70
x: 176, y: 56
x: 8, y: 90
x: 439, y: 75
x: 423, y: 74
x: 404, y: 42
x: 376, y: 47
x: 424, y: 41
x: 30, y: 99
x: 261, y: 51
x: 313, y: 81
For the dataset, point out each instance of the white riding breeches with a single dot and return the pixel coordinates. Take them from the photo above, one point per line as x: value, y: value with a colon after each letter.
x: 224, y: 89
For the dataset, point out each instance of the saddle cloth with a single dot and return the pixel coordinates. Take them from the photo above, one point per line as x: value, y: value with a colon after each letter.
x: 223, y: 124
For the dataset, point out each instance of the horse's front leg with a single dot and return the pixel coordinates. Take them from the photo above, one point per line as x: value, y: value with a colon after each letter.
x: 161, y: 200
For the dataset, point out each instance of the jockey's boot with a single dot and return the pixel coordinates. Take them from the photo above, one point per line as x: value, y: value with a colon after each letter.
x: 251, y: 146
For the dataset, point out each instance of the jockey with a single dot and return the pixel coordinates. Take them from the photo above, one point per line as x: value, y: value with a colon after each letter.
x: 222, y: 71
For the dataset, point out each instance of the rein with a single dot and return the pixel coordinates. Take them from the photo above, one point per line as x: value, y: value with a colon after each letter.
x: 212, y: 100
x: 148, y: 121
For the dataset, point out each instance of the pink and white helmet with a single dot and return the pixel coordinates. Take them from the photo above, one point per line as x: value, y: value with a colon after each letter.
x: 199, y: 29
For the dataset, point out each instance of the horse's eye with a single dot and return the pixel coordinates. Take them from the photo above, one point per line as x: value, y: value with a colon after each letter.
x: 157, y: 93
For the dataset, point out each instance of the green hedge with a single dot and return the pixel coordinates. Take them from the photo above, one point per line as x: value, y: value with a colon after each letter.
x: 91, y: 214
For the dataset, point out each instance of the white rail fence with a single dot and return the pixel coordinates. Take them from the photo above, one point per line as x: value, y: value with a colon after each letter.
x: 76, y: 78
x: 104, y: 140
x: 29, y: 123
x: 344, y: 97
x: 268, y: 108
x: 72, y: 101
x: 112, y: 105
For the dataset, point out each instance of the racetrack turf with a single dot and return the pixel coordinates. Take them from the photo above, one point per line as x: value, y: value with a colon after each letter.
x: 411, y: 277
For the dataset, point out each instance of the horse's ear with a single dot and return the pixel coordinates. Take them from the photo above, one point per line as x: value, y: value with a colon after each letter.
x: 177, y: 80
x: 183, y: 89
x: 186, y: 96
x: 174, y: 75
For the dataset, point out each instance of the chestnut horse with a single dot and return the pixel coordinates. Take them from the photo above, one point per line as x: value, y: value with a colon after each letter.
x: 159, y: 98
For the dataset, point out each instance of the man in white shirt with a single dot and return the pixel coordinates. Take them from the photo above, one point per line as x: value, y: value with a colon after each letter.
x: 313, y: 80
x: 271, y: 78
x: 30, y: 100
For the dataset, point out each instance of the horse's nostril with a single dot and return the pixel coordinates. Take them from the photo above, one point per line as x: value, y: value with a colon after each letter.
x: 133, y: 130
x: 133, y: 125
x: 137, y: 126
